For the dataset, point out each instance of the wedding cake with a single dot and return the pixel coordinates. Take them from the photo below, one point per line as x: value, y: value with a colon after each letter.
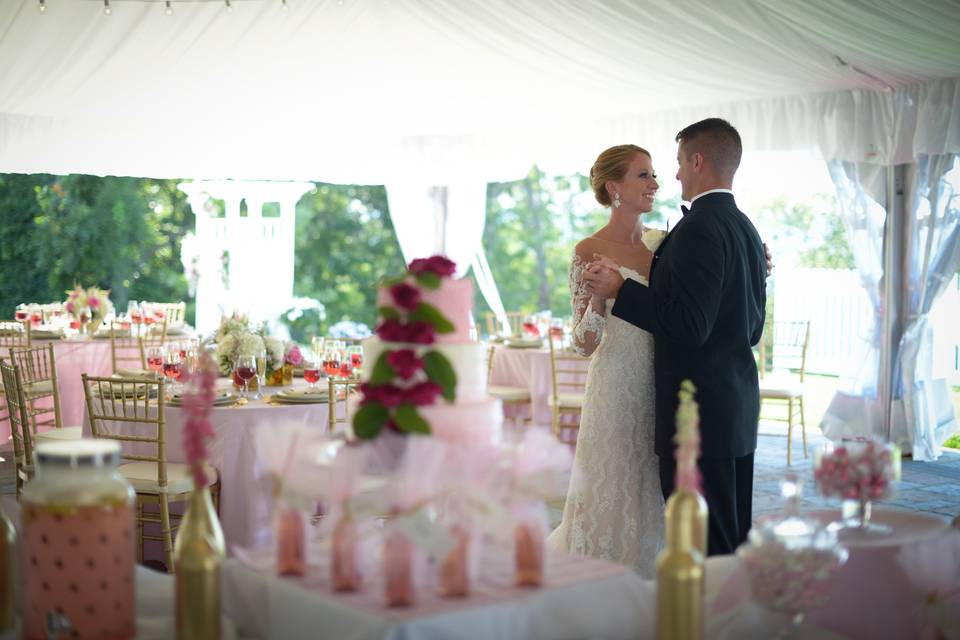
x: 426, y: 374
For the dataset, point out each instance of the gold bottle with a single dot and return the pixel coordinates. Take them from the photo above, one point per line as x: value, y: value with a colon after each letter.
x: 8, y: 586
x: 198, y: 554
x: 680, y: 566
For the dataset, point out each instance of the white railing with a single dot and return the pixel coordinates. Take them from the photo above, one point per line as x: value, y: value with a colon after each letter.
x: 840, y: 316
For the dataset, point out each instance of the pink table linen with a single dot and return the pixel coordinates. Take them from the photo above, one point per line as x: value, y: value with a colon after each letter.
x: 73, y: 357
x: 245, y: 483
x: 871, y: 597
x: 527, y: 368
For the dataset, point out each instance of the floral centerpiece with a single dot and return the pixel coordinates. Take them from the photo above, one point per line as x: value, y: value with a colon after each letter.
x: 88, y: 306
x: 235, y: 337
x: 409, y: 374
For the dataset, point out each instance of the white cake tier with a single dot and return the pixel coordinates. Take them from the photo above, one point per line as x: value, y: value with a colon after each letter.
x: 465, y: 423
x: 468, y: 360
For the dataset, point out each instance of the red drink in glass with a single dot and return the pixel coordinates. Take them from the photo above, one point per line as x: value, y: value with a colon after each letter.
x: 356, y: 360
x: 135, y: 317
x: 346, y: 369
x: 530, y: 329
x: 171, y: 369
x: 311, y: 375
x: 246, y: 373
x: 20, y: 315
x: 36, y: 319
x: 155, y: 363
x: 331, y: 367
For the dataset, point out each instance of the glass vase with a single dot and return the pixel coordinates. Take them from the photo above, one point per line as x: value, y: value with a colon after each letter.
x: 198, y: 554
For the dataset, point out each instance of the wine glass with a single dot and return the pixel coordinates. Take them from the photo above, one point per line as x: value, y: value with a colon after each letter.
x: 530, y: 329
x: 311, y: 370
x: 155, y: 358
x: 172, y: 368
x: 246, y: 368
x: 331, y: 360
x: 355, y: 354
x: 21, y: 313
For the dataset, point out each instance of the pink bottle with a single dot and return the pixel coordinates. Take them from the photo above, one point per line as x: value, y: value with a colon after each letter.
x: 79, y: 543
x: 291, y: 542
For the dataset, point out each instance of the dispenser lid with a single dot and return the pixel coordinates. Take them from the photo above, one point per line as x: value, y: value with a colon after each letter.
x: 78, y: 454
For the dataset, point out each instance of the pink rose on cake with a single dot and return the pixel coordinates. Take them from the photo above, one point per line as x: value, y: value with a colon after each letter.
x: 406, y: 296
x: 405, y: 363
x: 441, y: 266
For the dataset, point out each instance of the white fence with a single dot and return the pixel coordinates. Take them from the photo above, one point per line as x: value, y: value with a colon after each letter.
x: 840, y: 316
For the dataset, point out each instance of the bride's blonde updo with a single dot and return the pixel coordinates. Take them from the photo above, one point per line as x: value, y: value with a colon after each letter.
x: 611, y: 165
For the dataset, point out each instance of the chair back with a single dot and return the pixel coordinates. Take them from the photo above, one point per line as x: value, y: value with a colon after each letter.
x: 15, y: 335
x: 334, y: 385
x: 568, y: 369
x: 512, y: 318
x: 130, y: 401
x: 788, y: 342
x: 491, y: 351
x: 19, y: 422
x: 38, y: 378
x: 127, y: 349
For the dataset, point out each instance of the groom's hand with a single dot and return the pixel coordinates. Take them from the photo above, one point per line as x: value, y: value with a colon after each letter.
x: 602, y: 281
x: 769, y: 257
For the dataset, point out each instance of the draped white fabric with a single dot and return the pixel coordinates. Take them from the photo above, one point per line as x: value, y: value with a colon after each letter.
x: 933, y: 259
x: 371, y: 90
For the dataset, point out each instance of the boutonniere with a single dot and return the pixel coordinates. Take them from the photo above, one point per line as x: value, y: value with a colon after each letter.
x: 653, y: 238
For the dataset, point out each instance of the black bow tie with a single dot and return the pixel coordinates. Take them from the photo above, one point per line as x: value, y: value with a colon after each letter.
x: 684, y: 209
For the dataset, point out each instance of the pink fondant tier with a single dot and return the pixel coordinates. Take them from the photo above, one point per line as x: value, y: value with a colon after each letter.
x: 454, y: 299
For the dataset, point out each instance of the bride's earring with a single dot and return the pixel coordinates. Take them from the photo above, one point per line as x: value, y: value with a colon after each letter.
x: 616, y: 201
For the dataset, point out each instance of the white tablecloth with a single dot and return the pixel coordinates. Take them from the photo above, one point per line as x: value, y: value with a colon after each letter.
x: 245, y: 481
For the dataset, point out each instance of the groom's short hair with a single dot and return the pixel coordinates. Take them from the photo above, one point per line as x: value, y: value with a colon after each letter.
x: 717, y: 140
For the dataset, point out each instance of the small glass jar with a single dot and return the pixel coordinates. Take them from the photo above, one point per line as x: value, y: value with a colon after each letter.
x: 79, y: 543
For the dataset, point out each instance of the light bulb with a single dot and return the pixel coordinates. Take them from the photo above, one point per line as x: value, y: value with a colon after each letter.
x: 283, y: 5
x: 42, y: 6
x: 106, y: 8
x: 229, y: 6
x: 169, y: 9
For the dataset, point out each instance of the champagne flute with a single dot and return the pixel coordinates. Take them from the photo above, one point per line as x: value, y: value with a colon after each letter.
x: 261, y: 374
x: 246, y: 368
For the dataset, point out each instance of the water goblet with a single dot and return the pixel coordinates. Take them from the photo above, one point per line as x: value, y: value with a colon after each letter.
x: 355, y: 354
x: 155, y: 358
x: 331, y: 361
x: 21, y: 313
x: 172, y: 368
x: 530, y: 329
x: 246, y: 368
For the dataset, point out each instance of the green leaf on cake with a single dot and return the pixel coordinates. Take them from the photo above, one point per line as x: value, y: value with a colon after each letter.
x: 441, y: 372
x: 428, y: 313
x: 369, y: 419
x: 382, y: 372
x: 409, y: 420
x: 389, y: 313
x: 428, y: 280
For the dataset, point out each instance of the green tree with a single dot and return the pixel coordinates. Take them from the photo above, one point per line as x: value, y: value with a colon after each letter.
x: 22, y: 277
x: 813, y: 230
x: 345, y: 243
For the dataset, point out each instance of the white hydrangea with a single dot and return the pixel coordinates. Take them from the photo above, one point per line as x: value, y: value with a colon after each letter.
x: 249, y: 344
x: 275, y: 349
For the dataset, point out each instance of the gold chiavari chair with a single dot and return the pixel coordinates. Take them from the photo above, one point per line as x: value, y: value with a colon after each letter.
x: 15, y: 335
x: 38, y: 375
x: 132, y: 411
x: 513, y: 318
x: 789, y: 342
x: 128, y: 349
x: 334, y: 387
x: 568, y: 379
x: 518, y: 396
x: 16, y: 404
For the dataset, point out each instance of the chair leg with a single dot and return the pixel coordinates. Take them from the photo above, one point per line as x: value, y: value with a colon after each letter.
x: 803, y: 427
x: 139, y: 532
x: 166, y: 533
x: 789, y: 429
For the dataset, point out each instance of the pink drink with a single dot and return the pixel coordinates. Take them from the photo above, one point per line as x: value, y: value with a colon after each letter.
x: 311, y: 375
x: 331, y: 367
x: 291, y: 543
x: 155, y: 364
x: 346, y: 369
x: 345, y: 565
x: 20, y: 315
x: 529, y: 552
x: 171, y: 370
x: 531, y: 329
x: 399, y: 582
x: 356, y: 360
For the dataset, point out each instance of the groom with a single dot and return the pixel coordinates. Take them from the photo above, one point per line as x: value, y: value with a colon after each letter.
x: 705, y: 309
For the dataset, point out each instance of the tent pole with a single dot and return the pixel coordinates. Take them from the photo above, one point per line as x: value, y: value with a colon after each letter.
x: 894, y: 243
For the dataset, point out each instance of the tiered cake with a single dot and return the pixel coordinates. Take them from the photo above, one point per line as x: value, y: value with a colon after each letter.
x: 472, y: 416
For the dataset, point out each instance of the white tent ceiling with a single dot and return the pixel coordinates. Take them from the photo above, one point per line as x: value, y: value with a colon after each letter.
x: 361, y: 90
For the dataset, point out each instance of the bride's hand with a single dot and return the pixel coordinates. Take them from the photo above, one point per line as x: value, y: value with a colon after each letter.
x: 602, y: 261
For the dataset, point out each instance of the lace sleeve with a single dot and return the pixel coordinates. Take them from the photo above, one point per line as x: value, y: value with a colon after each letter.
x: 587, y: 323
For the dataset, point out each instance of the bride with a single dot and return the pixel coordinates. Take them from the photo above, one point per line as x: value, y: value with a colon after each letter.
x: 614, y: 508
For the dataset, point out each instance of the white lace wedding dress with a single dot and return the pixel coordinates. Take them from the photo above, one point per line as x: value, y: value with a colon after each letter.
x: 614, y: 507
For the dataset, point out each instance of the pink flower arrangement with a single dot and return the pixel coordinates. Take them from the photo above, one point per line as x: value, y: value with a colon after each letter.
x: 406, y: 296
x: 198, y: 402
x: 405, y: 362
x: 293, y: 355
x: 439, y: 265
x: 861, y: 470
x: 791, y: 580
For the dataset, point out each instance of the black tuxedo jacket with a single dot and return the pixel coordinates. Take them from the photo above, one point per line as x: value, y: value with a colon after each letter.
x: 705, y: 309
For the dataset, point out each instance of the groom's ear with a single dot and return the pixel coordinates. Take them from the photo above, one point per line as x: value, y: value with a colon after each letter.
x: 697, y: 161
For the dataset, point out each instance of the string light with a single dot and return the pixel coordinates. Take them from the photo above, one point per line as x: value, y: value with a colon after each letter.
x: 42, y: 6
x: 169, y: 8
x: 228, y: 5
x: 283, y: 5
x: 106, y: 8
